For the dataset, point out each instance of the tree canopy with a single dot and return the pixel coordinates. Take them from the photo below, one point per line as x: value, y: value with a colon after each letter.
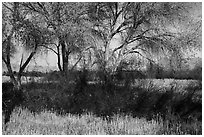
x: 102, y: 33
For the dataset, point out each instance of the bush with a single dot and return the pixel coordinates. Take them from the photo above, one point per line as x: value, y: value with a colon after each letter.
x: 11, y: 98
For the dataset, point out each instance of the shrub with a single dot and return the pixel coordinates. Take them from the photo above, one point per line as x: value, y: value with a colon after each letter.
x: 11, y: 98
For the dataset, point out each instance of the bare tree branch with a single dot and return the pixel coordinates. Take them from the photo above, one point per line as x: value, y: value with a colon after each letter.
x: 7, y: 7
x: 76, y: 63
x: 50, y: 49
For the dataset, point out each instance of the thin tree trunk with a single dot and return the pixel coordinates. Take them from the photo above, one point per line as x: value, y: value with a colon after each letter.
x: 64, y: 58
x: 58, y: 59
x: 76, y: 63
x: 8, y: 63
x: 16, y: 81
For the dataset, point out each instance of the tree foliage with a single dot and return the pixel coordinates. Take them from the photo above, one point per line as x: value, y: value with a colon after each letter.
x: 63, y: 22
x: 19, y: 30
x: 141, y: 28
x: 108, y: 33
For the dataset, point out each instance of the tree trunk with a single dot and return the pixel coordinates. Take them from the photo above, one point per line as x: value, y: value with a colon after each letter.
x: 64, y: 58
x: 7, y: 61
x: 15, y: 81
x: 58, y: 59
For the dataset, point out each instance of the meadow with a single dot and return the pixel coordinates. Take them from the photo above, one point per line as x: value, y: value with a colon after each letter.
x: 148, y: 107
x: 23, y: 122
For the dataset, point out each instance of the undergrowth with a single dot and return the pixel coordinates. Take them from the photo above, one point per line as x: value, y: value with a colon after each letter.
x: 23, y: 122
x: 90, y: 110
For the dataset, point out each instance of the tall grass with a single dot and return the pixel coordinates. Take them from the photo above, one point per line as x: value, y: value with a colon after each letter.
x: 23, y: 122
x: 106, y: 109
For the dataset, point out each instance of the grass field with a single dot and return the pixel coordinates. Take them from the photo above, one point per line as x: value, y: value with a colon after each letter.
x: 23, y: 122
x: 40, y: 114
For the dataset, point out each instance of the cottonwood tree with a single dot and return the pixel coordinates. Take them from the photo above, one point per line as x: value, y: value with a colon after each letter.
x: 140, y: 28
x: 18, y: 30
x: 67, y: 30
